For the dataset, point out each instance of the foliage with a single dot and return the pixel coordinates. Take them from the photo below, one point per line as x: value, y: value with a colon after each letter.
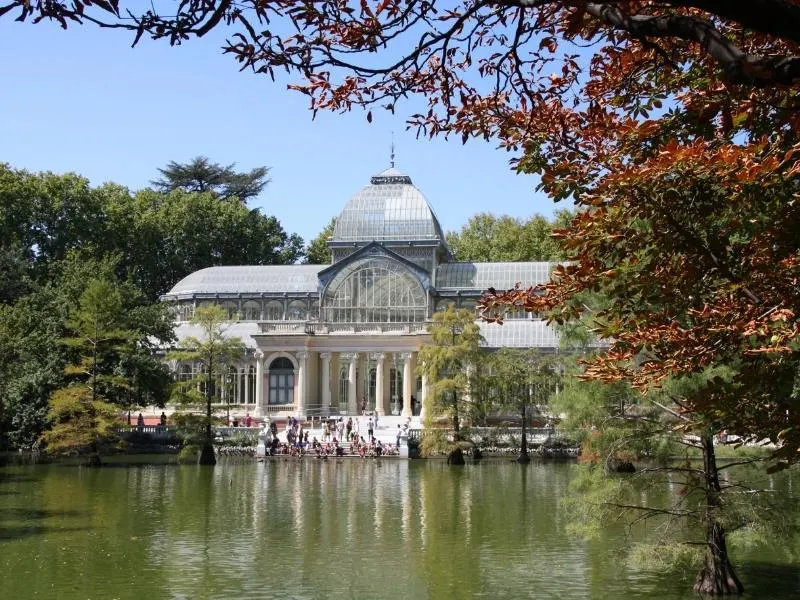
x: 317, y: 252
x: 524, y: 377
x: 612, y: 104
x: 32, y: 361
x: 157, y: 238
x: 451, y: 362
x: 82, y: 412
x: 164, y: 238
x: 202, y: 175
x: 212, y: 353
x: 688, y: 502
x: 488, y: 238
x: 81, y: 422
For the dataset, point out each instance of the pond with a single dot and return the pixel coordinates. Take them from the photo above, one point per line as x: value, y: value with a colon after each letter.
x: 322, y: 529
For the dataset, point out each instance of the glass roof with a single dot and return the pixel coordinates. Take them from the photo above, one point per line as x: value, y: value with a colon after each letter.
x: 249, y: 280
x: 481, y: 276
x: 390, y: 208
x: 519, y: 334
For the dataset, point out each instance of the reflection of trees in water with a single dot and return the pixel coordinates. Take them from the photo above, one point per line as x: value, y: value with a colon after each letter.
x: 321, y: 529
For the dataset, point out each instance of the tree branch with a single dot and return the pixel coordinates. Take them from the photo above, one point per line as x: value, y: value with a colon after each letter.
x: 739, y: 67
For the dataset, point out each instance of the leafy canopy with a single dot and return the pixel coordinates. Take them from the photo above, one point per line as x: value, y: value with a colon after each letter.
x: 636, y: 109
x: 202, y: 175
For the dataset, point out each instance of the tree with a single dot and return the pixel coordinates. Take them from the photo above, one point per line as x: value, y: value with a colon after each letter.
x: 522, y: 379
x: 662, y: 90
x: 201, y: 175
x: 213, y: 352
x: 83, y: 413
x: 620, y: 428
x: 33, y: 362
x: 452, y: 362
x: 157, y: 238
x: 164, y: 238
x: 317, y: 252
x: 634, y: 109
x: 487, y: 238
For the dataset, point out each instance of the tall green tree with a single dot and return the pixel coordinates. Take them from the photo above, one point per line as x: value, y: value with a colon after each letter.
x: 452, y: 364
x: 521, y: 380
x: 489, y: 238
x: 83, y: 412
x: 32, y: 361
x: 317, y: 251
x: 213, y: 352
x: 165, y: 237
x: 202, y: 175
x: 158, y: 238
x: 660, y: 445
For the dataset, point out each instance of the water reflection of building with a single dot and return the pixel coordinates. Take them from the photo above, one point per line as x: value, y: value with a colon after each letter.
x: 322, y: 338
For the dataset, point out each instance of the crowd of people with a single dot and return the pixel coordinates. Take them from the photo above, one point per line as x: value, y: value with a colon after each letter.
x: 339, y: 438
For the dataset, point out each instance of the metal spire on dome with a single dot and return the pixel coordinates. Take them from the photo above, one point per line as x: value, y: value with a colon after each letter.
x: 391, y: 155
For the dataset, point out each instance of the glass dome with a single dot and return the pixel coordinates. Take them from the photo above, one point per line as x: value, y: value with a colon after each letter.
x: 389, y: 209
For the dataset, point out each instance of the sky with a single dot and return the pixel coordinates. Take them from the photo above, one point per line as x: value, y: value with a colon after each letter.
x: 83, y: 100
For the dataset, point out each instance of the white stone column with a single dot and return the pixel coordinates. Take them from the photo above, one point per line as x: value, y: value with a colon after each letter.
x: 408, y: 382
x: 426, y: 397
x: 325, y: 382
x: 301, y: 397
x: 335, y: 384
x: 259, y: 384
x: 380, y: 393
x: 352, y: 399
x: 246, y: 391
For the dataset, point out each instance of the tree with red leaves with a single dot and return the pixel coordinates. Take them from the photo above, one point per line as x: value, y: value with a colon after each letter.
x: 673, y: 124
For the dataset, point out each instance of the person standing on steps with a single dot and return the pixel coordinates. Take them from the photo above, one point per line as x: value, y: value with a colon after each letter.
x: 370, y: 429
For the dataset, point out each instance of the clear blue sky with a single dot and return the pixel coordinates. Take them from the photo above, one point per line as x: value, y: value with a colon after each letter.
x: 83, y: 100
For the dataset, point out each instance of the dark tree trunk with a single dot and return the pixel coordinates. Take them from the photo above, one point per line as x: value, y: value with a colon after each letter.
x: 456, y: 420
x: 207, y: 451
x: 717, y: 577
x: 94, y: 460
x: 207, y: 455
x: 456, y: 457
x: 523, y: 457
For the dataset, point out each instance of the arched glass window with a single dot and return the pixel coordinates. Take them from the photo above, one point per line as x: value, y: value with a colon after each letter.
x: 297, y: 310
x: 251, y: 311
x: 186, y: 372
x: 374, y: 290
x: 230, y: 388
x: 231, y: 308
x: 281, y: 381
x: 184, y: 311
x: 313, y: 313
x: 274, y: 311
x: 251, y: 384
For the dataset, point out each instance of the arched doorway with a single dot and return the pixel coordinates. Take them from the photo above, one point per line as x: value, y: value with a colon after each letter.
x: 281, y: 382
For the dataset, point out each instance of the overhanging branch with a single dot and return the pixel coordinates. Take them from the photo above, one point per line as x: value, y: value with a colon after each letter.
x: 739, y: 67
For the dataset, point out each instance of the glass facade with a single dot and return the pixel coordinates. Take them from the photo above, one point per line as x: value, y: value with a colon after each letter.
x: 374, y: 290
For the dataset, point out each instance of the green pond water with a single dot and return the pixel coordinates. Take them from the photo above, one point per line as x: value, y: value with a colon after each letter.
x: 302, y: 529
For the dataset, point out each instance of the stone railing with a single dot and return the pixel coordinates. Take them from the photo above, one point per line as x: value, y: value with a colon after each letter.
x: 287, y: 327
x: 317, y: 328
